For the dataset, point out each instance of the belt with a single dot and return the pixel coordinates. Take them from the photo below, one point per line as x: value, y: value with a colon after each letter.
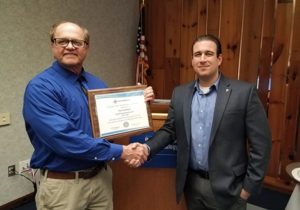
x: 201, y: 173
x: 72, y: 174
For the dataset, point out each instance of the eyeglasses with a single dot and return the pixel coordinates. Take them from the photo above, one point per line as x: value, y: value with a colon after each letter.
x: 62, y: 42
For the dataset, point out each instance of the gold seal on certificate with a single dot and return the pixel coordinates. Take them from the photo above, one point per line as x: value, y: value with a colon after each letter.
x: 117, y: 112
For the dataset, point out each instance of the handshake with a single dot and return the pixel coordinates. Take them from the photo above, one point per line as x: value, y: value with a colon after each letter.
x: 135, y: 154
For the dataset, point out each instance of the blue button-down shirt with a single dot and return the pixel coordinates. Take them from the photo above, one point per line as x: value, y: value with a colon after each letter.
x: 202, y: 111
x: 58, y: 123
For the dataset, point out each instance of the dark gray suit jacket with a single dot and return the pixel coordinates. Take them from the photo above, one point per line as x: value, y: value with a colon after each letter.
x: 239, y: 119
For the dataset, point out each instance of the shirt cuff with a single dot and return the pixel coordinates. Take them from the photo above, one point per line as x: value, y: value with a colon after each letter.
x: 116, y: 151
x: 149, y: 149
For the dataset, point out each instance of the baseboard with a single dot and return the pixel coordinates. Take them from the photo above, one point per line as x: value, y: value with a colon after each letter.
x: 279, y: 185
x: 18, y: 202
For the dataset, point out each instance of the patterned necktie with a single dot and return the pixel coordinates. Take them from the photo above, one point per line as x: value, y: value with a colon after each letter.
x: 83, y: 84
x: 84, y: 87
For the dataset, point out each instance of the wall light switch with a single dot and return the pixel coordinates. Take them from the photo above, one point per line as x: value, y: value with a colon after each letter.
x: 4, y: 118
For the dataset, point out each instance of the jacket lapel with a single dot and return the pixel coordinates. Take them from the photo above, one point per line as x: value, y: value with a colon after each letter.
x: 223, y: 95
x: 187, y: 110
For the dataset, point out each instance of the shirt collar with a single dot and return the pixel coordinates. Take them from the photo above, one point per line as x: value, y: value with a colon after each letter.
x: 216, y: 84
x: 68, y: 75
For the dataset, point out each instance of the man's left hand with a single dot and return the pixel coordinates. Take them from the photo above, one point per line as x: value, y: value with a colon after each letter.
x: 244, y: 194
x: 149, y: 94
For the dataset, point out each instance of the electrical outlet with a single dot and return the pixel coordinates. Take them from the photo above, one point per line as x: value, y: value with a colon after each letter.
x: 4, y: 118
x: 11, y: 170
x: 24, y: 165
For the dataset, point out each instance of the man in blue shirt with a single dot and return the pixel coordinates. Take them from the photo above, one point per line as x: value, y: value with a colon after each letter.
x: 222, y: 134
x: 74, y: 174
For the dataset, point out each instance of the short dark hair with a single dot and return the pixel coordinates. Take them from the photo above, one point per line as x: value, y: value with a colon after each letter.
x: 54, y: 26
x: 210, y: 38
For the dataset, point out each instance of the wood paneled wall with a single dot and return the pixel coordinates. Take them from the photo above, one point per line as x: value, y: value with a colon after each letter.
x: 261, y: 45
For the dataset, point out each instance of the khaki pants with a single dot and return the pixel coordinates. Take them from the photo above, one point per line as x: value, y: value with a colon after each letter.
x: 76, y: 194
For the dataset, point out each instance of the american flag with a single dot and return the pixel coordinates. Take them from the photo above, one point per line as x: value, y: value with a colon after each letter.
x: 142, y: 65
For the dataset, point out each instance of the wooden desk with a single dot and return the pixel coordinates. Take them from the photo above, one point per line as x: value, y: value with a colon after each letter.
x: 144, y: 188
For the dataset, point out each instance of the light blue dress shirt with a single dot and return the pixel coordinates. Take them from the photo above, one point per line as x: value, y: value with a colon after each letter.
x: 202, y: 112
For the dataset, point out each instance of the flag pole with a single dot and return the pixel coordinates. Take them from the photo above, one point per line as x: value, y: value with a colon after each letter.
x: 143, y: 4
x: 137, y: 70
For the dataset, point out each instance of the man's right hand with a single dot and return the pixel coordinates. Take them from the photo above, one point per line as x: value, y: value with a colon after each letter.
x: 135, y: 154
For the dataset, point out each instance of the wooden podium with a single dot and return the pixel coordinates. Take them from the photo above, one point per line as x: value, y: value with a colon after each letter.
x: 145, y: 188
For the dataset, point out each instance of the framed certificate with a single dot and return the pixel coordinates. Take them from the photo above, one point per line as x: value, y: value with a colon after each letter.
x: 117, y: 112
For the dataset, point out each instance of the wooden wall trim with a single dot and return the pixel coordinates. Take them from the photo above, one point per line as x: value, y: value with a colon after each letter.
x: 279, y: 185
x: 18, y: 202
